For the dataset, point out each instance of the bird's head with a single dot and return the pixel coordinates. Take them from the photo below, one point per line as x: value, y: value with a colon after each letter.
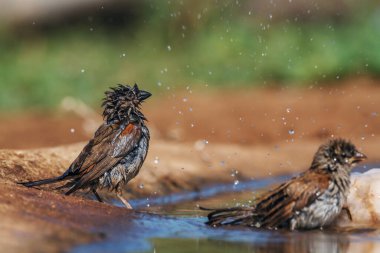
x: 123, y: 102
x: 337, y: 154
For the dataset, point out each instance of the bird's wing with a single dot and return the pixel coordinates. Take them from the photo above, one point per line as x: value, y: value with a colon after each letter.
x: 278, y: 206
x: 103, y: 132
x: 104, y: 152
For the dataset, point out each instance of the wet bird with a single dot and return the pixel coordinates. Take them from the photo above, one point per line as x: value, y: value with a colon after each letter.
x: 116, y: 152
x: 313, y: 199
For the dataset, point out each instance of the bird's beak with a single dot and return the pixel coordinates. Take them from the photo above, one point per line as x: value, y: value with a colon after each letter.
x: 359, y: 157
x: 143, y: 95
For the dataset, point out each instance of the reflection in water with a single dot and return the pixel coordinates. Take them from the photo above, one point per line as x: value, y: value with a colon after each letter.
x: 289, y: 242
x: 304, y: 242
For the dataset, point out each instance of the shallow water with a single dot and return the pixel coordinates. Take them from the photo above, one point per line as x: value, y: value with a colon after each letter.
x: 174, y: 223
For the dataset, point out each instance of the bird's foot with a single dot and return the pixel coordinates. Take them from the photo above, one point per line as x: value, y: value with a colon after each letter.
x: 348, y: 212
x: 98, y: 198
x: 125, y: 202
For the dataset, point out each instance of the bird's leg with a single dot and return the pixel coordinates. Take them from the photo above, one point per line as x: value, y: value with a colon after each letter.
x: 97, y: 196
x: 345, y: 208
x: 125, y: 202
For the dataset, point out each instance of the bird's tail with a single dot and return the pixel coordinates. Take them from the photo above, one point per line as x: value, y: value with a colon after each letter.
x: 44, y: 181
x: 231, y: 216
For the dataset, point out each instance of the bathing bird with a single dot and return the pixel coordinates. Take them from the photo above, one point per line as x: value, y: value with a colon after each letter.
x: 310, y: 200
x: 117, y: 151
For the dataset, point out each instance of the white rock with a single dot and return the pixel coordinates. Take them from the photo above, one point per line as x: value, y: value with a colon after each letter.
x: 364, y: 199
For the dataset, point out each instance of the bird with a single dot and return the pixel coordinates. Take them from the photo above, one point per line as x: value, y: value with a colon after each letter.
x: 117, y: 151
x: 313, y: 199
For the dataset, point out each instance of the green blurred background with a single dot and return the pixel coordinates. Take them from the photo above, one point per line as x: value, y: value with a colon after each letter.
x: 80, y: 48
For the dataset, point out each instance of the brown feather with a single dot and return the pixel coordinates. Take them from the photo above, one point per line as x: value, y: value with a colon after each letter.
x: 102, y: 157
x: 293, y: 196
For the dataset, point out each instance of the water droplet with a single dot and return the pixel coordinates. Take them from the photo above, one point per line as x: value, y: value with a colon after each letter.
x: 291, y: 131
x: 159, y: 84
x: 184, y: 100
x: 169, y: 48
x: 141, y: 186
x: 236, y: 182
x: 156, y: 160
x: 234, y: 173
x: 123, y: 54
x: 257, y: 224
x: 288, y: 110
x: 148, y: 205
x: 82, y: 70
x: 200, y: 144
x: 72, y: 130
x: 191, y: 125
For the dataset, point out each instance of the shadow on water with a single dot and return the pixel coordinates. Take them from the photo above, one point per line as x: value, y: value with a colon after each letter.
x: 174, y: 224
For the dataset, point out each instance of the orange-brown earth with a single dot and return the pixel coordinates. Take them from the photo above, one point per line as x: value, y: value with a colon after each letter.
x: 198, y: 137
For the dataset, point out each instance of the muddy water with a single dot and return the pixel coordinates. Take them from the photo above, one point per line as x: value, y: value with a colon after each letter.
x: 174, y: 224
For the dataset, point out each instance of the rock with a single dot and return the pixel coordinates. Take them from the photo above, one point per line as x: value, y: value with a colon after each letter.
x: 364, y: 200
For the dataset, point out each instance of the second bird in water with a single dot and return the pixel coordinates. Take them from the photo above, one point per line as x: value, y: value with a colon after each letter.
x: 311, y: 200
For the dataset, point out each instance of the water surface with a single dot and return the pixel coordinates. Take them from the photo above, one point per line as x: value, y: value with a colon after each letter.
x: 174, y: 224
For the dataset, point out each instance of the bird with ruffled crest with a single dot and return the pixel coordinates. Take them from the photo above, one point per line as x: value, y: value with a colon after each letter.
x: 117, y: 151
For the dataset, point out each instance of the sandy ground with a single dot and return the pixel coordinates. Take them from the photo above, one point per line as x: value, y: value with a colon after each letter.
x: 198, y: 138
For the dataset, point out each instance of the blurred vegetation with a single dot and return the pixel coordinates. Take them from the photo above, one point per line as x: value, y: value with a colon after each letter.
x: 179, y: 44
